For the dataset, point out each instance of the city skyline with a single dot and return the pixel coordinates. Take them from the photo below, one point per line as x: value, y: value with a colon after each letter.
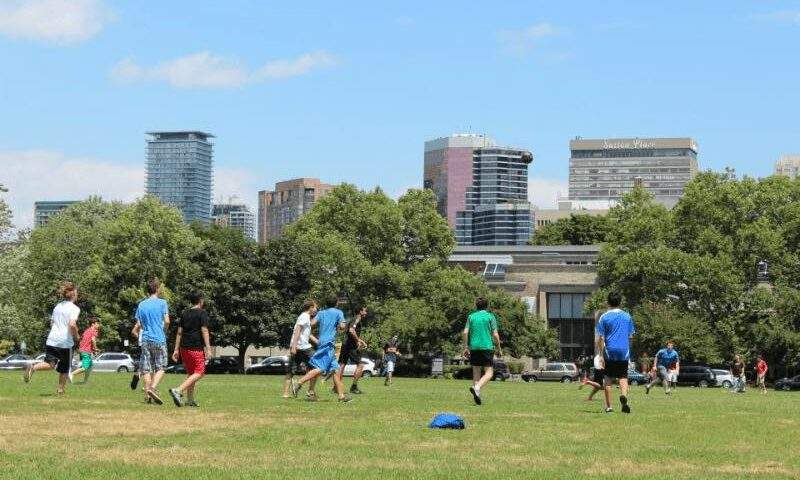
x: 77, y: 96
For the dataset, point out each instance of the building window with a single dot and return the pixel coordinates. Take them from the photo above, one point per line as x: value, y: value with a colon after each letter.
x: 565, y: 313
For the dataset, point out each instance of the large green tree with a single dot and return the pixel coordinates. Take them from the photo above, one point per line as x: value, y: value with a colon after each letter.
x: 577, y: 229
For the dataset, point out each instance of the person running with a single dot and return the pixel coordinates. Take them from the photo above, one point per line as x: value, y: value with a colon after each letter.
x: 62, y: 337
x: 761, y: 374
x: 152, y: 317
x: 137, y: 353
x: 480, y: 337
x: 301, y: 349
x: 666, y: 368
x: 737, y: 369
x: 330, y: 321
x: 614, y: 331
x: 88, y: 347
x: 351, y: 350
x: 597, y: 377
x: 193, y: 347
x: 391, y: 351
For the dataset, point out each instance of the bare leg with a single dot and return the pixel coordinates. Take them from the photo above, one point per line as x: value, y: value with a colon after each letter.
x: 287, y: 382
x: 190, y: 393
x: 357, y: 375
x: 607, y: 391
x: 476, y: 375
x: 337, y: 384
x: 488, y: 373
x: 190, y: 381
x: 62, y: 382
x: 313, y: 374
x: 595, y: 388
x: 157, y: 379
x: 312, y: 387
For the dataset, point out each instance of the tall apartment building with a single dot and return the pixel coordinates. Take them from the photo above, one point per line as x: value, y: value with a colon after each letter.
x: 448, y: 170
x: 284, y: 205
x: 496, y: 208
x: 601, y: 171
x: 42, y: 211
x: 789, y: 166
x: 235, y: 215
x: 180, y: 172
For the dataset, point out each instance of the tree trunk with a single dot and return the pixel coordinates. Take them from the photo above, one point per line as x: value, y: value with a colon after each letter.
x: 242, y: 347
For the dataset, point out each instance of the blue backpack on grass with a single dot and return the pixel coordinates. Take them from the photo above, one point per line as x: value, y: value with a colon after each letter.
x: 447, y: 420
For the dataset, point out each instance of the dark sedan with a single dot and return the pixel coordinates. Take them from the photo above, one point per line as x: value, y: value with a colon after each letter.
x: 787, y: 384
x: 213, y: 366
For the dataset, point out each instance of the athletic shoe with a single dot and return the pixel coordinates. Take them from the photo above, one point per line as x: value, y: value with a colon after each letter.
x: 311, y: 397
x: 625, y: 407
x: 154, y: 395
x: 354, y: 389
x: 176, y: 396
x: 28, y: 373
x: 476, y: 395
x: 345, y: 399
x: 193, y: 404
x: 295, y: 388
x: 609, y: 410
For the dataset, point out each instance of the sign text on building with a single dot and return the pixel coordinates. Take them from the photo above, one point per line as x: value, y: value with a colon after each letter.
x: 624, y: 144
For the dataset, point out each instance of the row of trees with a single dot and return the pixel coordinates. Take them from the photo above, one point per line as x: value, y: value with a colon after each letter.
x: 364, y: 246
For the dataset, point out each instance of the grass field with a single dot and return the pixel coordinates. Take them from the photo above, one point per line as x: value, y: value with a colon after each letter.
x: 244, y: 430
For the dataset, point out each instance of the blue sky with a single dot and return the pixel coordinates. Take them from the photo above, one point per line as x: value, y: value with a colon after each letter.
x: 350, y: 93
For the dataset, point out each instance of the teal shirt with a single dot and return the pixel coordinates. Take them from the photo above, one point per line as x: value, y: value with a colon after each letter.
x: 481, y: 325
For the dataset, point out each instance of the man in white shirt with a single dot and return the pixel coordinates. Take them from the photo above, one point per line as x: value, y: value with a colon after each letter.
x: 62, y: 337
x: 301, y: 349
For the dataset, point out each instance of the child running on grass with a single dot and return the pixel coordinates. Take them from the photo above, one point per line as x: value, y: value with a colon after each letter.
x: 88, y: 347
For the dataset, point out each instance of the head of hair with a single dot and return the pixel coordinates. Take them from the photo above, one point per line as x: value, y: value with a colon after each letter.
x: 195, y: 297
x: 481, y: 303
x: 153, y: 286
x: 93, y: 320
x: 332, y: 301
x: 66, y: 290
x: 309, y: 304
x: 670, y: 342
x: 614, y: 299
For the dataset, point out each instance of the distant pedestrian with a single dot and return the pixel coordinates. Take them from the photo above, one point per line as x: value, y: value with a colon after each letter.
x: 645, y: 364
x: 192, y: 347
x: 152, y: 317
x: 301, y: 349
x: 761, y: 374
x: 88, y: 348
x: 738, y: 369
x: 62, y: 337
x: 480, y: 338
x: 666, y: 369
x: 598, y: 375
x: 352, y: 347
x: 614, y: 331
x: 391, y: 351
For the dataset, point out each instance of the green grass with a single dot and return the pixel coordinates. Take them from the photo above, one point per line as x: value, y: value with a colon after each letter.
x: 244, y: 430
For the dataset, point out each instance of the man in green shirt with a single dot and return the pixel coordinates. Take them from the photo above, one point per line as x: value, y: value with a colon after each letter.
x: 480, y: 338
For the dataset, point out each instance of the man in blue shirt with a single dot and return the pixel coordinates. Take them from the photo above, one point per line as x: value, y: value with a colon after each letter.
x: 666, y: 369
x: 614, y: 331
x: 152, y: 319
x: 330, y: 321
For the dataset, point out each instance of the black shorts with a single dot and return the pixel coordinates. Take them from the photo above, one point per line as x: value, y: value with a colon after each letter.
x: 481, y: 358
x: 299, y: 362
x: 349, y: 355
x: 599, y: 373
x: 616, y: 369
x: 58, y: 358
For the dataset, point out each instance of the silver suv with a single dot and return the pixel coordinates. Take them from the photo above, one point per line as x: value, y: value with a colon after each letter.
x: 113, y: 362
x: 564, y: 372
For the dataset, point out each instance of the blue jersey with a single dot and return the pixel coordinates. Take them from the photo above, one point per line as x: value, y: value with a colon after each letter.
x: 667, y: 359
x: 150, y: 314
x: 616, y: 328
x: 328, y: 321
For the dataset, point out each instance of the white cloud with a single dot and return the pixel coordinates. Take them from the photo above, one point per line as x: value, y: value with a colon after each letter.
x: 784, y: 16
x: 206, y: 70
x: 522, y: 42
x: 237, y: 183
x: 54, y: 21
x: 544, y: 192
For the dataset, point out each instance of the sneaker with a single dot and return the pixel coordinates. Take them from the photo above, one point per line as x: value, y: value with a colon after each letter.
x: 609, y: 410
x: 311, y: 397
x: 193, y: 404
x: 625, y: 407
x: 176, y: 396
x: 134, y: 382
x: 28, y: 373
x: 476, y: 395
x: 345, y: 399
x: 154, y: 396
x: 295, y: 388
x: 354, y: 389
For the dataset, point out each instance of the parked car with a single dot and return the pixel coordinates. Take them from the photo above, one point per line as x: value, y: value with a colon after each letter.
x: 787, y: 384
x: 213, y: 366
x: 16, y: 361
x: 175, y: 368
x: 637, y: 378
x: 369, y: 368
x: 725, y: 378
x: 269, y: 366
x: 557, y: 372
x: 697, y: 376
x: 501, y: 372
x: 113, y: 362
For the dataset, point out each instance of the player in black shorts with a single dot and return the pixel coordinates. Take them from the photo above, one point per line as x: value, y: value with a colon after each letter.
x: 301, y: 350
x: 351, y: 349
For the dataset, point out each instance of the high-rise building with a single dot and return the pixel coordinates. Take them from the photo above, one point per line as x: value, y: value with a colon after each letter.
x: 789, y: 166
x: 42, y: 211
x: 235, y: 215
x: 180, y: 172
x: 601, y: 171
x: 496, y: 208
x: 448, y: 170
x: 288, y: 202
